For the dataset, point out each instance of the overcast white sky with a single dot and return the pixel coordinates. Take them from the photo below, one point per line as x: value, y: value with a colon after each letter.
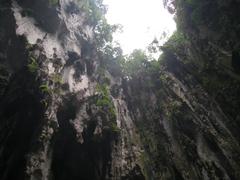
x: 142, y: 21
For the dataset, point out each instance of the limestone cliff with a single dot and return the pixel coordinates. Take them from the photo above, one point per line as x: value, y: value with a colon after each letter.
x: 69, y: 110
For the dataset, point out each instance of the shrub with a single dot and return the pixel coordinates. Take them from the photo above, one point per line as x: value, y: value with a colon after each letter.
x: 115, y: 128
x: 56, y: 78
x: 32, y: 66
x: 45, y: 88
x: 105, y: 101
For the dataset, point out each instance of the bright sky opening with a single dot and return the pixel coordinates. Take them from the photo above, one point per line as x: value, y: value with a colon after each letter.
x: 142, y: 21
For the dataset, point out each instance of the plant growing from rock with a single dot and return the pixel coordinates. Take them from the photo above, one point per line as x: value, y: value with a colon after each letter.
x: 105, y: 103
x: 33, y: 65
x: 53, y: 2
x: 45, y: 89
x: 57, y: 79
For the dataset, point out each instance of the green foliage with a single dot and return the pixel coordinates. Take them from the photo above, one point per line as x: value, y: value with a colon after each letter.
x: 102, y: 90
x: 112, y: 51
x: 176, y: 45
x: 56, y: 78
x: 109, y: 52
x: 95, y: 14
x: 111, y: 55
x: 94, y: 9
x: 175, y: 41
x: 32, y: 66
x: 53, y: 2
x: 103, y: 33
x: 28, y: 46
x: 135, y: 63
x: 45, y: 88
x: 114, y: 128
x: 104, y: 101
x: 177, y: 37
x: 154, y: 66
x: 139, y: 65
x: 163, y: 78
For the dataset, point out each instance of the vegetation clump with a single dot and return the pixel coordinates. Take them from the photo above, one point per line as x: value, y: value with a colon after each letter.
x: 105, y: 103
x: 45, y: 89
x: 33, y: 65
x: 94, y: 9
x: 57, y: 79
x: 53, y: 2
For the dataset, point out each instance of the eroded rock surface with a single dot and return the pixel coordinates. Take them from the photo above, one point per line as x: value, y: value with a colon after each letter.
x: 66, y: 114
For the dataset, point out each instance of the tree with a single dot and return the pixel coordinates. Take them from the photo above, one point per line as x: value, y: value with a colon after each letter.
x: 135, y: 63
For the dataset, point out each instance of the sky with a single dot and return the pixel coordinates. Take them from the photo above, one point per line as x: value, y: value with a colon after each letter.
x: 142, y: 21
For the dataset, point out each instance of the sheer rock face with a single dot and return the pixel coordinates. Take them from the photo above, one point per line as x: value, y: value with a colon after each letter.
x: 57, y: 121
x: 185, y: 132
x: 52, y: 125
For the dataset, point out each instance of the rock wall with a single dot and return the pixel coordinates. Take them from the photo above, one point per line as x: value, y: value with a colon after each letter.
x: 66, y: 114
x: 58, y: 120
